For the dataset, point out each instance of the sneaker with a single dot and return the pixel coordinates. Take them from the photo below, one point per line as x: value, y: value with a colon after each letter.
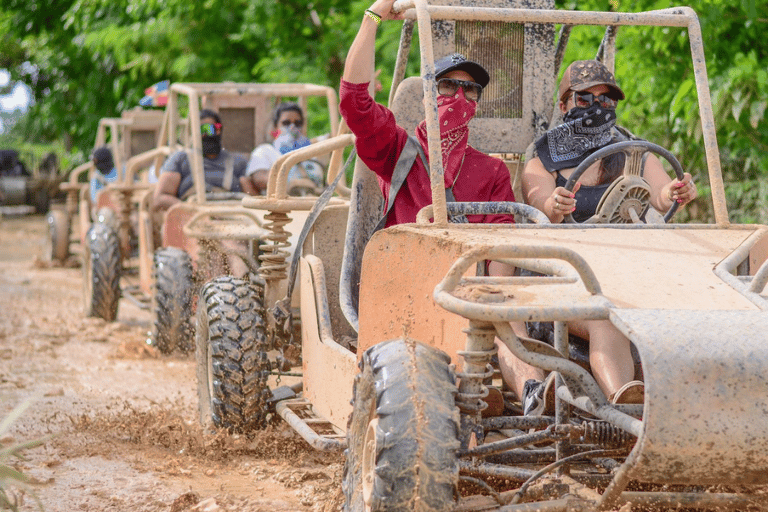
x: 630, y: 393
x: 495, y: 401
x: 539, y: 397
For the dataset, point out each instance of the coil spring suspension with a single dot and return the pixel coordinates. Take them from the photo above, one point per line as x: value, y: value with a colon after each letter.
x: 477, y: 368
x: 71, y: 204
x: 606, y: 435
x: 472, y: 403
x: 125, y: 223
x: 274, y: 255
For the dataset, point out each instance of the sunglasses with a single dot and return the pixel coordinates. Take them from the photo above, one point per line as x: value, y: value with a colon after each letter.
x: 210, y: 128
x: 297, y: 124
x: 449, y: 86
x: 585, y: 99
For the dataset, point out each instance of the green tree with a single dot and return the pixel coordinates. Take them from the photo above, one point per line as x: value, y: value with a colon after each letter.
x: 88, y: 59
x: 656, y: 73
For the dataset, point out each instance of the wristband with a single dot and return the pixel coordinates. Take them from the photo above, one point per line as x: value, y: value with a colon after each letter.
x: 375, y: 17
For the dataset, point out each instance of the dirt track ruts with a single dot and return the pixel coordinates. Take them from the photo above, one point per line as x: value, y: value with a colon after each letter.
x: 124, y: 418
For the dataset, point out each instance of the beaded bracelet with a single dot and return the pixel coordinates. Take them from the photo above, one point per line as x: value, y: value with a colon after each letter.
x: 375, y: 17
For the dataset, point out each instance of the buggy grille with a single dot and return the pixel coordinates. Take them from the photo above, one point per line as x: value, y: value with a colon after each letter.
x: 498, y: 47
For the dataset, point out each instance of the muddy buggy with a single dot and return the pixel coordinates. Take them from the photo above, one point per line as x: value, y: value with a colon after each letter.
x: 26, y: 185
x: 133, y: 133
x: 398, y: 328
x: 207, y: 234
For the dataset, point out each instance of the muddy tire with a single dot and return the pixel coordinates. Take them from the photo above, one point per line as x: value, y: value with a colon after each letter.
x: 41, y: 199
x: 101, y: 268
x: 402, y: 436
x: 231, y: 355
x: 59, y: 229
x: 172, y: 327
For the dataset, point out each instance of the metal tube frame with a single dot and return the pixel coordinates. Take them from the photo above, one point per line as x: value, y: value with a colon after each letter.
x: 682, y: 17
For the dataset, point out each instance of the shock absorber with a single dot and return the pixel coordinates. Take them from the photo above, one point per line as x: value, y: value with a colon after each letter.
x: 605, y: 435
x: 273, y: 269
x: 477, y: 355
x: 274, y: 253
x: 71, y: 202
x: 125, y: 197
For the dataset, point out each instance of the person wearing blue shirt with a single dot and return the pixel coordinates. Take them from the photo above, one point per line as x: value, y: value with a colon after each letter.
x: 105, y: 171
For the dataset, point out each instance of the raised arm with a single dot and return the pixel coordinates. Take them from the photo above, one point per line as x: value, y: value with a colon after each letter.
x: 359, y: 66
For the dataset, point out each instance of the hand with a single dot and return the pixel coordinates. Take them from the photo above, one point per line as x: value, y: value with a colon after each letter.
x: 564, y: 202
x: 384, y: 9
x: 682, y: 192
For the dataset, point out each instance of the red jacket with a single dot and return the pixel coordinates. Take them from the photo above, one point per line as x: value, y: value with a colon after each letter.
x: 379, y: 143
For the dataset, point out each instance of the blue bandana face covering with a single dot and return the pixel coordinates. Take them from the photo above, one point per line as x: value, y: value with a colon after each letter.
x: 584, y: 131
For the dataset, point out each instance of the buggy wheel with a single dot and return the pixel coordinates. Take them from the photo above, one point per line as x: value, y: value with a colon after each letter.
x: 403, y: 433
x: 101, y: 270
x: 172, y: 300
x: 231, y: 355
x: 41, y: 199
x: 59, y: 228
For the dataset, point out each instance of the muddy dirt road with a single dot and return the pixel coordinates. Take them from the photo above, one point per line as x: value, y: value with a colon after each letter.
x: 124, y: 419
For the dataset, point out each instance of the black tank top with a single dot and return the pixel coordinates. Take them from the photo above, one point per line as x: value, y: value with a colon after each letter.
x: 587, y: 198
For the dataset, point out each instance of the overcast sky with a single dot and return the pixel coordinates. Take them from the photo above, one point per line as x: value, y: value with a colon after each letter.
x: 18, y: 98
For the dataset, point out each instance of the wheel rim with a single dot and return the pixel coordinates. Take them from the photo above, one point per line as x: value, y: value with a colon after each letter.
x: 369, y: 462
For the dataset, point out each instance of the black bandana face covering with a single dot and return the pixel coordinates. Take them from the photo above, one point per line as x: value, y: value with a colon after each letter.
x: 584, y: 131
x: 211, y: 144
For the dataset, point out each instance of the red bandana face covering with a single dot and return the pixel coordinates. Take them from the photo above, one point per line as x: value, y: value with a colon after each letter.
x: 454, y: 113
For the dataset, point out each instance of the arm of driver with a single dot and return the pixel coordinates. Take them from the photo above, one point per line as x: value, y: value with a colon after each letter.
x: 659, y: 181
x: 538, y: 188
x: 166, y: 189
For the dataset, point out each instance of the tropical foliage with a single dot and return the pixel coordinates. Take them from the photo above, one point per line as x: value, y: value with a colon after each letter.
x: 87, y: 59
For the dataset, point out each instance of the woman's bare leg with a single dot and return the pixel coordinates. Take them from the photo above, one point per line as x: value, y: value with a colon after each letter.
x: 513, y: 370
x: 609, y: 353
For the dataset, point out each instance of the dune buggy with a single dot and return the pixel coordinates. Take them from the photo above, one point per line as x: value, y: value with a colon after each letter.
x: 208, y: 234
x: 398, y: 327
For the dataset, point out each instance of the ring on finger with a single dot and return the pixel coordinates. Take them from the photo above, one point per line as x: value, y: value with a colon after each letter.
x: 557, y: 204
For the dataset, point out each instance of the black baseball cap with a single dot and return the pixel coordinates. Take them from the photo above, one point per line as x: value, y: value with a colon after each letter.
x: 457, y: 61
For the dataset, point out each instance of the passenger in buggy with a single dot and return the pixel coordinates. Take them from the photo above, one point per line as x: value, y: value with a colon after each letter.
x: 469, y: 174
x: 105, y: 170
x: 588, y: 97
x: 287, y: 131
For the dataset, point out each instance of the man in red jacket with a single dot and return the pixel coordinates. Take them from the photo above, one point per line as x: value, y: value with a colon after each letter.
x: 470, y: 174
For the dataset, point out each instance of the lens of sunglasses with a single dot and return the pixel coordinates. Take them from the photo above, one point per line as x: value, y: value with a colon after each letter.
x: 449, y: 86
x: 585, y: 99
x: 297, y: 124
x: 210, y: 128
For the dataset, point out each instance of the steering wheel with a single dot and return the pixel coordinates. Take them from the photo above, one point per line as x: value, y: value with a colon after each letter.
x: 628, y: 198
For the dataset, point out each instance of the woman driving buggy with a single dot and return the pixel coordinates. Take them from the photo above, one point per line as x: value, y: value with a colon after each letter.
x: 588, y: 96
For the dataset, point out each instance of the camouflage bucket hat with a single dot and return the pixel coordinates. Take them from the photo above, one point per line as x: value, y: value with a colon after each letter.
x: 583, y: 74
